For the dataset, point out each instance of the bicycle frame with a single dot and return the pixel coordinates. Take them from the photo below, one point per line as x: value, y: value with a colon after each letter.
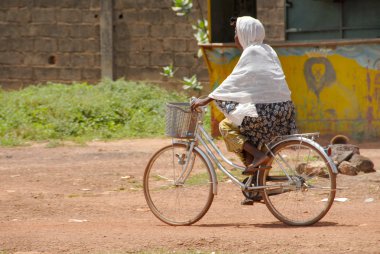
x: 203, y: 137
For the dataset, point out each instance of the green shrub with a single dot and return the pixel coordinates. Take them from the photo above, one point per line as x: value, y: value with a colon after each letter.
x: 81, y: 112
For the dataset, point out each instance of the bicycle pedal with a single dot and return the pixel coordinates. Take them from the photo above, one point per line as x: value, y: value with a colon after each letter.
x: 247, y: 201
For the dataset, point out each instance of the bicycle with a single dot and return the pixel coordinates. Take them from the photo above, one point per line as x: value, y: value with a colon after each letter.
x: 180, y: 180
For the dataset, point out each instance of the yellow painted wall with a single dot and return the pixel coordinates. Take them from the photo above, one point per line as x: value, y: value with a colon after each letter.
x: 335, y: 90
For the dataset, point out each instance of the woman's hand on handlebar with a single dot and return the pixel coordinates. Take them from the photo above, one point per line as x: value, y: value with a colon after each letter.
x: 200, y: 102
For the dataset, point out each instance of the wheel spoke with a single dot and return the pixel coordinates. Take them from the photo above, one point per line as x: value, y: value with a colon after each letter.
x: 299, y: 203
x: 176, y: 195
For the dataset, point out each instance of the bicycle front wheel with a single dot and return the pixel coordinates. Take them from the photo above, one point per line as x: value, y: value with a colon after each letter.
x: 178, y: 194
x: 301, y: 183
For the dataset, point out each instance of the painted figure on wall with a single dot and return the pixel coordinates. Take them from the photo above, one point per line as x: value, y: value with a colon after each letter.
x: 333, y: 101
x: 319, y: 73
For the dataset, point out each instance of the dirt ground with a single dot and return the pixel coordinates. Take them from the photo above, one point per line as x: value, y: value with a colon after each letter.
x: 89, y: 199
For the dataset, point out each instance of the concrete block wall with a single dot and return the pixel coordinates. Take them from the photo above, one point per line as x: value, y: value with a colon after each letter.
x: 48, y: 40
x: 148, y: 36
x: 59, y: 40
x: 272, y: 14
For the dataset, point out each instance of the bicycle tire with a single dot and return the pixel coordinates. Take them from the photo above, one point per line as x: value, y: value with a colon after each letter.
x: 308, y: 201
x: 165, y: 197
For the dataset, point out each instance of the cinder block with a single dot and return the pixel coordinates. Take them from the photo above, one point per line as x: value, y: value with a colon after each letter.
x: 128, y: 45
x: 11, y: 58
x: 21, y: 44
x: 3, y: 15
x: 279, y: 16
x: 21, y: 73
x: 45, y: 45
x: 18, y: 15
x: 5, y: 4
x: 47, y: 16
x: 84, y: 31
x: 91, y: 74
x: 162, y: 31
x: 185, y: 59
x: 125, y: 17
x: 75, y: 4
x: 275, y: 33
x: 162, y: 5
x: 13, y: 30
x: 168, y: 16
x: 123, y: 4
x: 95, y: 5
x: 120, y: 59
x: 91, y: 17
x: 63, y: 60
x: 161, y: 59
x: 44, y: 3
x: 91, y: 45
x: 183, y: 30
x: 138, y: 59
x: 49, y: 30
x: 69, y: 16
x: 150, y: 16
x: 156, y: 45
x: 36, y: 59
x: 70, y: 45
x: 97, y: 58
x: 138, y: 73
x: 82, y: 60
x: 138, y: 30
x: 175, y: 44
x: 121, y: 32
x: 8, y: 84
x: 5, y: 44
x: 182, y: 72
x: 70, y: 74
x: 192, y: 45
x: 5, y: 72
x: 270, y: 3
x: 45, y: 74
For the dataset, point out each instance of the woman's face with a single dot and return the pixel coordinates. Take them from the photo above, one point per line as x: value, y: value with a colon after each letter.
x: 237, y: 43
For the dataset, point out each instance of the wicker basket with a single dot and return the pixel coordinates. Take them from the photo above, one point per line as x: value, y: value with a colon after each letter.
x: 181, y: 122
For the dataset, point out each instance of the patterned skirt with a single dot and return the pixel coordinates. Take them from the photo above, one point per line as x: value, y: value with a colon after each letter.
x: 274, y: 119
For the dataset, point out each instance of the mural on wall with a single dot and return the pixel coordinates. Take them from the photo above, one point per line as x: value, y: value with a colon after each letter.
x: 333, y: 88
x: 319, y: 73
x: 336, y: 89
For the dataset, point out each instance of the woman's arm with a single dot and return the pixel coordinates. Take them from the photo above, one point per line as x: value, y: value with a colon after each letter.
x: 200, y: 102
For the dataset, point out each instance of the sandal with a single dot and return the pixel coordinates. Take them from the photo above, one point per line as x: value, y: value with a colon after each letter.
x: 251, y: 170
x: 262, y: 160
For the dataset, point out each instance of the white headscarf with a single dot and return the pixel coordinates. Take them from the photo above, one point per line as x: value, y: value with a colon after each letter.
x: 257, y: 77
x: 250, y: 31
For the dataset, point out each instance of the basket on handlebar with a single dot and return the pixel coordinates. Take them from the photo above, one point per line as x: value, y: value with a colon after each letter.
x: 181, y: 122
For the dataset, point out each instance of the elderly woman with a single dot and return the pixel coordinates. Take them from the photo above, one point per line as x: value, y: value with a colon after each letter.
x: 254, y: 98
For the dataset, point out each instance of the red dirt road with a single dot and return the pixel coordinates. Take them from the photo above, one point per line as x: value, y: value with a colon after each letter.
x: 89, y: 199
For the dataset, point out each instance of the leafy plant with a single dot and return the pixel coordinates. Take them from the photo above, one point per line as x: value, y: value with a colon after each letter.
x: 192, y: 83
x: 168, y: 71
x: 82, y: 112
x: 182, y: 7
x: 201, y: 34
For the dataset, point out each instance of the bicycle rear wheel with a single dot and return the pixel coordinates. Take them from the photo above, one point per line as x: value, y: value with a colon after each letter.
x: 308, y: 196
x: 175, y: 195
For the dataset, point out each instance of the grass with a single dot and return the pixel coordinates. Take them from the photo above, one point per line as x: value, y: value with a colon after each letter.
x: 81, y: 112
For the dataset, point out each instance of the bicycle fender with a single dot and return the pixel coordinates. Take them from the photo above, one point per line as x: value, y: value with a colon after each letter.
x: 210, y: 166
x: 313, y: 143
